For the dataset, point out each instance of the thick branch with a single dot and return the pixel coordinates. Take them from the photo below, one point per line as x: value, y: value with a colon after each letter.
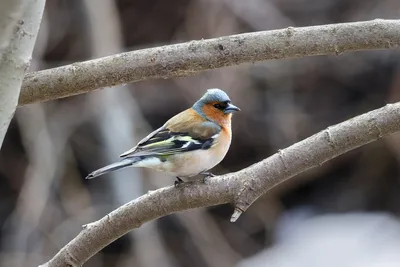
x: 16, y: 59
x: 196, y: 56
x: 10, y: 13
x: 241, y: 188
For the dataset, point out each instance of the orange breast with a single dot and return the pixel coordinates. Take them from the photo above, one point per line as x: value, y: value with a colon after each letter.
x: 218, y: 116
x: 223, y: 143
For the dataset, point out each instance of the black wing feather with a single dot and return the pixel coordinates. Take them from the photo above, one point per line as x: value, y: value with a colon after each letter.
x: 164, y: 142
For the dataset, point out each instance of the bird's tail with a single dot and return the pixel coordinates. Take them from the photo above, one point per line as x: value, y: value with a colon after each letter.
x: 112, y: 167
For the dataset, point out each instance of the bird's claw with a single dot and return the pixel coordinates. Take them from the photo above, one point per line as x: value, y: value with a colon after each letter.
x: 206, y: 176
x: 178, y: 182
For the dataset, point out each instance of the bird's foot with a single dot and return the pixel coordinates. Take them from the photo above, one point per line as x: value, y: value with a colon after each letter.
x: 178, y: 181
x: 206, y: 176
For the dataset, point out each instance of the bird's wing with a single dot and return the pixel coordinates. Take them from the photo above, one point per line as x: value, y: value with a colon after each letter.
x: 184, y: 132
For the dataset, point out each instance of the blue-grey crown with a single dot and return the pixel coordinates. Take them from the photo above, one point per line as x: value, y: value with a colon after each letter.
x: 214, y: 95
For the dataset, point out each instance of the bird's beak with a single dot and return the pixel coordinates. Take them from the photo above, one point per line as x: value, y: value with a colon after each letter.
x: 231, y: 108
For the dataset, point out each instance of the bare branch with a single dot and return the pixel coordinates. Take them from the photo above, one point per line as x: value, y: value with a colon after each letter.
x: 16, y: 59
x: 196, y: 56
x: 241, y: 188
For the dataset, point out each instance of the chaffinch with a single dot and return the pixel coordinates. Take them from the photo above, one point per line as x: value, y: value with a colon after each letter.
x: 190, y: 143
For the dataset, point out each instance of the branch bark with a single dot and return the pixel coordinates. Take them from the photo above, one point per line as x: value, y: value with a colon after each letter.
x: 241, y: 188
x: 16, y: 59
x: 196, y: 56
x: 10, y: 13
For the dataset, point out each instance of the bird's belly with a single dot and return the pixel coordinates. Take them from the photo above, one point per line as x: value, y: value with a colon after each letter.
x: 185, y: 164
x: 192, y: 163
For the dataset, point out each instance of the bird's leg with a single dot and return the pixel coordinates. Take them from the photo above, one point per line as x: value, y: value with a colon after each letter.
x: 206, y: 175
x: 178, y: 181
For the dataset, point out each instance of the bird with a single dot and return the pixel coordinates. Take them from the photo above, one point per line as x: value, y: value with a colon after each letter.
x: 189, y: 144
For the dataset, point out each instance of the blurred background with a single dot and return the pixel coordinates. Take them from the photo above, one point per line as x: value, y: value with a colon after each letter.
x: 344, y: 213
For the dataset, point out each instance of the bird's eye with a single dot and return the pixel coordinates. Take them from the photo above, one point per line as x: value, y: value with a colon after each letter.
x: 218, y: 106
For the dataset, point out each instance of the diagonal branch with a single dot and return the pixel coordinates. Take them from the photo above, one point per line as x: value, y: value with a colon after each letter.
x: 196, y: 56
x: 16, y: 53
x: 241, y: 188
x: 10, y: 13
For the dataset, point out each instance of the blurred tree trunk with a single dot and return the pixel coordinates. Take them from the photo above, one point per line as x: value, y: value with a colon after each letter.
x: 20, y: 22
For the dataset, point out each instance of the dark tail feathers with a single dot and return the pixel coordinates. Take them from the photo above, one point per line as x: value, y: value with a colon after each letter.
x: 112, y: 167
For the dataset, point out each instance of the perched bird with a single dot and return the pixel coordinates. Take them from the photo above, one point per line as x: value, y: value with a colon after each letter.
x: 190, y: 143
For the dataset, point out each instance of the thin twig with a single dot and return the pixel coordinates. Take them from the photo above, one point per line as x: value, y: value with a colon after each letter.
x: 241, y: 188
x: 196, y: 56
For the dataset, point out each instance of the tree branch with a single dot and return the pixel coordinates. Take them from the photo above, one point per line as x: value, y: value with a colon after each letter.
x: 16, y: 58
x: 10, y: 13
x: 196, y: 56
x: 241, y: 188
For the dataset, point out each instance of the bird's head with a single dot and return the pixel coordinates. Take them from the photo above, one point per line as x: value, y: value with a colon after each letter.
x: 216, y: 105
